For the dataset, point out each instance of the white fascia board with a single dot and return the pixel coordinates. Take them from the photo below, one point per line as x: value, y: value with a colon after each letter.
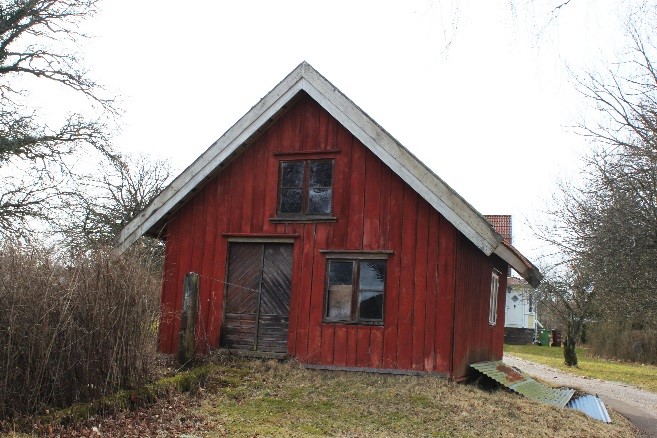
x: 211, y: 158
x: 441, y: 197
x: 515, y: 262
x: 531, y: 275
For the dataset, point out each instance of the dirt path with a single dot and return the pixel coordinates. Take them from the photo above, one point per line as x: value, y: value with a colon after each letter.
x: 637, y: 405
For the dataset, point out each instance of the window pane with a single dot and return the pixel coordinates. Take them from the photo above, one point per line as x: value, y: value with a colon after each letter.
x: 292, y: 173
x: 372, y: 275
x: 371, y: 305
x: 340, y: 290
x: 321, y: 173
x: 340, y: 272
x: 339, y: 302
x: 319, y: 201
x: 290, y: 200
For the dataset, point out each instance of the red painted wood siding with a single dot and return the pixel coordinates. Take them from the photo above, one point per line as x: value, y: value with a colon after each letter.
x: 475, y: 339
x: 375, y: 210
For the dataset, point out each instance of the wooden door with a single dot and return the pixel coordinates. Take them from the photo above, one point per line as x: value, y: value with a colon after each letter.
x: 258, y: 297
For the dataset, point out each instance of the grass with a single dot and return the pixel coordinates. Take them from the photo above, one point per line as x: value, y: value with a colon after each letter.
x: 269, y: 398
x: 242, y: 397
x: 642, y: 376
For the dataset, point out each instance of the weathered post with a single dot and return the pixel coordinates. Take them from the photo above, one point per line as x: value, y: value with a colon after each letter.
x: 186, y: 346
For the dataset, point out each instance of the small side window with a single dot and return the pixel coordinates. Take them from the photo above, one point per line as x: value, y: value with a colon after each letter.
x: 494, y: 288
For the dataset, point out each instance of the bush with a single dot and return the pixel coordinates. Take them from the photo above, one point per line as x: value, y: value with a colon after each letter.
x: 623, y: 342
x: 72, y: 332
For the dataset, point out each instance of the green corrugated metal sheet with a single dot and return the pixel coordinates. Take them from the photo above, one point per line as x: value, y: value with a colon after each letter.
x: 523, y: 384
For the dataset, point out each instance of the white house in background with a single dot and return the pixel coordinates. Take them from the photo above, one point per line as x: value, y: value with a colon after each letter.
x: 520, y: 306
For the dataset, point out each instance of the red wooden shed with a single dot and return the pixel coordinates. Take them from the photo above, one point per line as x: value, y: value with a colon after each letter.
x: 315, y: 233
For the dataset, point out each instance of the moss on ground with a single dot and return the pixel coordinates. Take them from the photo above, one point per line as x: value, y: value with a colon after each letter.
x: 131, y: 398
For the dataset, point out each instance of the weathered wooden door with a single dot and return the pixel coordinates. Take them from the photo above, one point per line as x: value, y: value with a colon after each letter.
x: 257, y: 301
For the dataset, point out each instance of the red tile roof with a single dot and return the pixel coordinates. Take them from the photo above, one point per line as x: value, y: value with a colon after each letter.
x: 502, y: 224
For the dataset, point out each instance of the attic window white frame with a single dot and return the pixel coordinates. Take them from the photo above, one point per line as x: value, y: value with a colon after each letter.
x: 494, y: 290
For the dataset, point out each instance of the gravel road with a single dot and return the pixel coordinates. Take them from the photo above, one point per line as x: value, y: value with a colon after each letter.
x: 637, y: 405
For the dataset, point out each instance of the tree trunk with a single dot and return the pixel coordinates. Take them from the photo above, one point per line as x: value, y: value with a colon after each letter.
x: 569, y: 354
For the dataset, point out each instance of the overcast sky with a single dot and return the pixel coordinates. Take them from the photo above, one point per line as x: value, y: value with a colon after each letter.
x: 481, y: 91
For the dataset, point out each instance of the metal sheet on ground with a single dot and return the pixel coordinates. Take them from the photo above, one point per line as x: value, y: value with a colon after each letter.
x: 592, y: 406
x: 521, y: 383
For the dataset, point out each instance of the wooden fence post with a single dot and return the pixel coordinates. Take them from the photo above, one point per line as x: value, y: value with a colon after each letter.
x: 188, y: 317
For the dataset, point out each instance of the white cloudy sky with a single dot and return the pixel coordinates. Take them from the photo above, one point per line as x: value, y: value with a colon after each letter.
x: 479, y: 90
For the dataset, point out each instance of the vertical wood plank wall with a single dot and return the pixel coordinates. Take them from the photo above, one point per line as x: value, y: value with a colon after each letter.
x: 375, y: 210
x: 475, y: 340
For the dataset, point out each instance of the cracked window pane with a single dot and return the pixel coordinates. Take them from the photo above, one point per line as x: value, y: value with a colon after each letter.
x: 372, y: 275
x: 319, y: 201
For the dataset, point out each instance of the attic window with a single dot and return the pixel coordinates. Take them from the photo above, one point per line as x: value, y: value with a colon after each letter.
x: 305, y: 188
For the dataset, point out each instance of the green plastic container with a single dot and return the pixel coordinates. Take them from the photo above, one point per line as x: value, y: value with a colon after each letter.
x: 544, y: 337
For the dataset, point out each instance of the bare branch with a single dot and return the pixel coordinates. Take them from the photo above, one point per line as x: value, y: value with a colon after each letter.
x: 37, y: 39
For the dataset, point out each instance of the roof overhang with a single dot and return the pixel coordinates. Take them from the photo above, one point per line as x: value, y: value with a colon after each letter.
x: 305, y: 78
x: 517, y: 261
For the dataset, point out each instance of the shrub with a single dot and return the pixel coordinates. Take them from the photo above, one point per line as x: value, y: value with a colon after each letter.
x: 73, y: 331
x: 624, y: 342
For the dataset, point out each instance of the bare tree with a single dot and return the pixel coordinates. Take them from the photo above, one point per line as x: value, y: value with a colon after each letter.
x: 37, y: 42
x: 606, y: 226
x: 570, y: 296
x: 108, y: 200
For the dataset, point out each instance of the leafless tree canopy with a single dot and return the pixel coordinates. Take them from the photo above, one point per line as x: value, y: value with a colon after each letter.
x: 37, y: 42
x: 110, y: 198
x: 607, y: 226
x: 569, y: 296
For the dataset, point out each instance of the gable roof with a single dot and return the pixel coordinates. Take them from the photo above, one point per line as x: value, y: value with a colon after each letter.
x: 305, y: 78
